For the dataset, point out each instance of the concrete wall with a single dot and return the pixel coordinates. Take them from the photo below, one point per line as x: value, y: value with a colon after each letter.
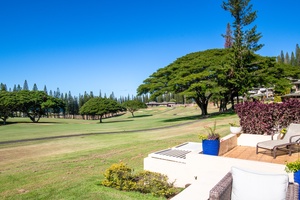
x: 251, y: 139
x: 227, y: 143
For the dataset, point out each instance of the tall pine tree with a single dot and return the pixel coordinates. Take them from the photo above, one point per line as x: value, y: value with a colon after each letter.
x: 293, y: 59
x: 25, y: 85
x: 245, y: 43
x: 228, y: 37
x: 35, y: 88
x: 45, y: 89
x: 297, y: 52
x: 281, y: 57
x: 287, y: 58
x: 3, y: 87
x: 19, y: 87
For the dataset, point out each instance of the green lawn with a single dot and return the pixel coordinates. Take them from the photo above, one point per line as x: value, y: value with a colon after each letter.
x: 72, y: 168
x: 144, y: 119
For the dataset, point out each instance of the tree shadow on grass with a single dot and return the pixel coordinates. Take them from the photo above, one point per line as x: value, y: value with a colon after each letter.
x: 222, y: 114
x: 140, y: 116
x: 28, y: 122
x: 8, y: 123
x: 115, y: 121
x: 194, y: 117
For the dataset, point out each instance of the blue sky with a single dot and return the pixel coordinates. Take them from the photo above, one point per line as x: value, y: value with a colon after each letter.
x: 113, y: 45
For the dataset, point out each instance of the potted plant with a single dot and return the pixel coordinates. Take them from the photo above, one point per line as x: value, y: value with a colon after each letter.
x: 294, y: 167
x: 235, y: 128
x: 210, y: 141
x: 282, y: 133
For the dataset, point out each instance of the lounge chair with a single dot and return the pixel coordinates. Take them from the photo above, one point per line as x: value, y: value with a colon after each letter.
x: 291, y: 138
x: 246, y: 185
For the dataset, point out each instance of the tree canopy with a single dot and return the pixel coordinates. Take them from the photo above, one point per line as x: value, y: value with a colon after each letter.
x: 192, y: 75
x: 201, y: 75
x: 32, y: 104
x: 7, y: 105
x: 100, y: 106
x: 133, y: 106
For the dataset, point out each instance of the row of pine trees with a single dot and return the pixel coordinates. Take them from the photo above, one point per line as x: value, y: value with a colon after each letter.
x: 293, y: 59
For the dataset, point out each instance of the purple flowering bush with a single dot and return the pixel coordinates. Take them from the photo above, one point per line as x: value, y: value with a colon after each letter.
x: 261, y: 118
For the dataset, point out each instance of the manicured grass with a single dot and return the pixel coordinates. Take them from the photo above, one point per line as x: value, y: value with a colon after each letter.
x: 23, y: 128
x: 72, y: 168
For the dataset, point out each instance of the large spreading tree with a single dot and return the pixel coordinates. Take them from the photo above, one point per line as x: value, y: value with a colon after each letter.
x: 192, y: 75
x: 221, y: 73
x: 201, y: 75
x: 98, y: 106
x: 133, y: 106
x: 8, y: 104
x: 33, y: 104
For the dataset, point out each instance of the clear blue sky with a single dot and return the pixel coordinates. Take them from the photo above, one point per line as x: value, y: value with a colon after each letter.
x: 113, y: 45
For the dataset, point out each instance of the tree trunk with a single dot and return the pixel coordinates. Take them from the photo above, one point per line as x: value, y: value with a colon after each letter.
x: 232, y: 100
x: 204, y: 109
x: 4, y: 120
x: 202, y: 104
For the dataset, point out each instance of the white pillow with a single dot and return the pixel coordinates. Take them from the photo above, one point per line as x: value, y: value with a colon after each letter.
x: 249, y: 185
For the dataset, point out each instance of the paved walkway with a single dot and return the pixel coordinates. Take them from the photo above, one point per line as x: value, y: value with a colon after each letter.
x: 249, y: 153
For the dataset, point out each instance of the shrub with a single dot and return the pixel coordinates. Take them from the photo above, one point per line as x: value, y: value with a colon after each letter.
x: 260, y: 118
x: 292, y: 167
x: 121, y: 177
x: 277, y: 99
x: 155, y: 183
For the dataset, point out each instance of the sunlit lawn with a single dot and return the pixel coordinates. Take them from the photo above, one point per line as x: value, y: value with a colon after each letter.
x: 72, y: 168
x: 144, y: 119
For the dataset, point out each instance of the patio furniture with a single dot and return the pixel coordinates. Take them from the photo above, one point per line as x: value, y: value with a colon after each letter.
x: 291, y: 138
x: 240, y: 184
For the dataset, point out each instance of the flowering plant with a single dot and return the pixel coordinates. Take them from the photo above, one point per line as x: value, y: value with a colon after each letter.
x: 212, y: 135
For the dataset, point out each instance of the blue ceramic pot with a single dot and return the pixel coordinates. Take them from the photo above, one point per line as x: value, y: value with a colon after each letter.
x: 297, y: 179
x: 297, y: 176
x: 211, y: 147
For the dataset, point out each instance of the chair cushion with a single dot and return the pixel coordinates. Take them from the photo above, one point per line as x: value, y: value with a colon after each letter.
x: 249, y: 185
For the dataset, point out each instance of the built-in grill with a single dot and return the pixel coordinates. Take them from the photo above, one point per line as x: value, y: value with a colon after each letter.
x: 178, y: 153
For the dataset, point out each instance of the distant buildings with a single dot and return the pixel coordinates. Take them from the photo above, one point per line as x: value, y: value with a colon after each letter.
x: 263, y: 93
x: 153, y: 103
x: 295, y: 91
